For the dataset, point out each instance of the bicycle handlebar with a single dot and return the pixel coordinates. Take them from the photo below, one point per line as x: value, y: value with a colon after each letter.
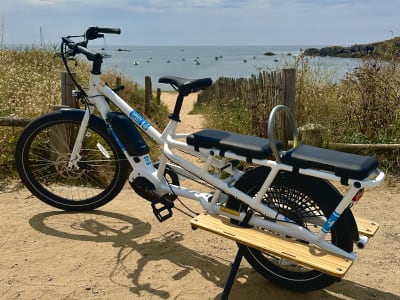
x: 91, y: 33
x: 74, y: 48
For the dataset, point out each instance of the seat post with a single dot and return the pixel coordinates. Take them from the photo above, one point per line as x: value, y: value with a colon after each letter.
x: 178, y: 106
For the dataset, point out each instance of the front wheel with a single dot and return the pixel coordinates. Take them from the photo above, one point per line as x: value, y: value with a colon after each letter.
x: 43, y: 152
x: 303, y: 199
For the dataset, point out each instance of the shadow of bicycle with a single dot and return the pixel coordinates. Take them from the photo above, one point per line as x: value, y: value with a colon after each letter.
x: 124, y: 232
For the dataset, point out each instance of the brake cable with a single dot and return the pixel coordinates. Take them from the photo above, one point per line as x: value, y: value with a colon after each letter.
x: 65, y: 62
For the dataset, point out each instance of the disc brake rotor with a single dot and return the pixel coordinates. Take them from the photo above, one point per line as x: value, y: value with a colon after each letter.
x: 61, y: 165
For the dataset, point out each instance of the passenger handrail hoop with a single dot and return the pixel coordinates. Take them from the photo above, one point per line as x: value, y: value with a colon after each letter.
x: 271, y: 125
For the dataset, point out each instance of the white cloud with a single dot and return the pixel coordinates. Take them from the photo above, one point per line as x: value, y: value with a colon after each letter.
x: 202, y: 21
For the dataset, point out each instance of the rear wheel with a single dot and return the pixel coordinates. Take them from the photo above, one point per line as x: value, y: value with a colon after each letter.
x: 43, y: 152
x: 302, y: 199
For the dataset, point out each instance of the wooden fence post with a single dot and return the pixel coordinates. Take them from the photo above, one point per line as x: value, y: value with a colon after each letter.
x: 158, y: 96
x: 147, y: 94
x: 67, y: 85
x: 289, y: 88
x: 312, y: 134
x: 118, y: 81
x: 289, y: 93
x: 59, y: 138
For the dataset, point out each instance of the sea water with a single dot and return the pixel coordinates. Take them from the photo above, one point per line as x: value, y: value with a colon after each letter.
x: 136, y: 62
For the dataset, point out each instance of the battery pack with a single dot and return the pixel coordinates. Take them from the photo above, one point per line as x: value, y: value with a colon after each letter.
x: 128, y: 134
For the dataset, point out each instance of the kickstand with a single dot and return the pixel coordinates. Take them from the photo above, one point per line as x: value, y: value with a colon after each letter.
x: 232, y: 275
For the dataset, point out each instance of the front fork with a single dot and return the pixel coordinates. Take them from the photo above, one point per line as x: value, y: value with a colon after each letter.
x: 75, y: 156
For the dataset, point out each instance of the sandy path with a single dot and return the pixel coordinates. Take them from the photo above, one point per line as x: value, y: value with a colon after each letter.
x: 122, y: 252
x: 189, y: 123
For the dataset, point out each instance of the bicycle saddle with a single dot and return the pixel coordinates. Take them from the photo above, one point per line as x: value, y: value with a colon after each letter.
x: 186, y: 86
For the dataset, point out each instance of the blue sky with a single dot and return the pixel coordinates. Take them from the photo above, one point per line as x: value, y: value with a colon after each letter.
x: 204, y: 22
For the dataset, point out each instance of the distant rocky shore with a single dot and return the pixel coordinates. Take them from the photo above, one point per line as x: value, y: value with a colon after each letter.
x: 388, y: 47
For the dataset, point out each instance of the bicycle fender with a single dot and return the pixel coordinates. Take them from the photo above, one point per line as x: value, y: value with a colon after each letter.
x: 77, y: 114
x: 348, y: 223
x: 69, y: 113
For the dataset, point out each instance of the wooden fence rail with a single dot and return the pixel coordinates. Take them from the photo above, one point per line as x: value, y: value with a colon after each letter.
x: 16, y: 122
x: 260, y: 93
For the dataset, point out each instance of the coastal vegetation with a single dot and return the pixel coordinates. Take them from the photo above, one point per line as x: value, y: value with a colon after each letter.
x: 361, y: 107
x: 30, y: 86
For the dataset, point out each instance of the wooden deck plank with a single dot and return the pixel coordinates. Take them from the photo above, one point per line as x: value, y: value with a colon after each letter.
x: 367, y: 227
x: 310, y: 256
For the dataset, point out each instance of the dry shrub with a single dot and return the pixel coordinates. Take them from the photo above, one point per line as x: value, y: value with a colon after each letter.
x: 229, y: 115
x: 371, y: 98
x: 362, y: 107
x: 30, y: 86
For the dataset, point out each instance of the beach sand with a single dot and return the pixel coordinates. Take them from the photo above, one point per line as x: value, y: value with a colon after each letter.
x: 121, y: 251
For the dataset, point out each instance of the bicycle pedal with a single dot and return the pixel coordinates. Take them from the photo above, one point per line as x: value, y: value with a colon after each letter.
x: 162, y: 210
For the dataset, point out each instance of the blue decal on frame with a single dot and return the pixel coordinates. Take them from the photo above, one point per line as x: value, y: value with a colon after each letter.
x: 330, y: 222
x: 147, y: 160
x: 139, y: 120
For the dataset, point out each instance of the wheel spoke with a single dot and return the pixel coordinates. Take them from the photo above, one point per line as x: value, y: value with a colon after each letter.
x: 43, y: 162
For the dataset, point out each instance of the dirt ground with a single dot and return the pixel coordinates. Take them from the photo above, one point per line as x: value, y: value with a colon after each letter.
x: 122, y: 252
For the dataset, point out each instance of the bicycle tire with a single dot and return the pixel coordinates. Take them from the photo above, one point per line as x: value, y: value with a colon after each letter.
x: 288, y: 192
x: 42, y: 154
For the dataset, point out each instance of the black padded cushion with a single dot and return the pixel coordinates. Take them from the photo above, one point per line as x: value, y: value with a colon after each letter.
x: 244, y: 145
x: 345, y: 165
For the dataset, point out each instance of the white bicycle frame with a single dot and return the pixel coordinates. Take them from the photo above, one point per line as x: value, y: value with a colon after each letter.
x: 171, y: 143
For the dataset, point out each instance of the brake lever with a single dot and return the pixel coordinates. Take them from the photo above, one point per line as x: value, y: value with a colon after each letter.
x: 92, y: 33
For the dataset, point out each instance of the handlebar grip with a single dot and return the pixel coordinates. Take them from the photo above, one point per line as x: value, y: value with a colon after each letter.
x: 93, y: 33
x: 109, y: 30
